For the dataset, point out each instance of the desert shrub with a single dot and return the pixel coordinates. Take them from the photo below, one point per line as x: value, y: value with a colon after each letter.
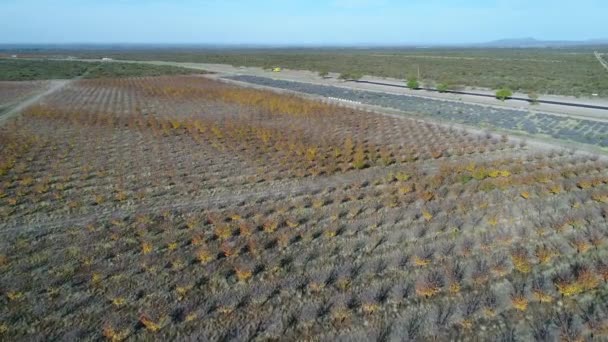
x: 412, y: 83
x: 442, y: 87
x: 542, y: 289
x: 409, y: 328
x: 580, y: 243
x: 243, y: 272
x: 575, y: 280
x: 359, y: 158
x: 490, y: 303
x: 602, y: 269
x: 503, y: 93
x: 430, y: 284
x: 443, y: 314
x: 424, y: 256
x: 351, y: 75
x: 519, y: 298
x: 544, y: 254
x: 468, y: 308
x: 149, y: 324
x: 533, y: 96
x: 480, y: 273
x: 223, y: 231
x: 204, y: 255
x: 455, y: 273
x: 521, y: 260
x: 568, y: 324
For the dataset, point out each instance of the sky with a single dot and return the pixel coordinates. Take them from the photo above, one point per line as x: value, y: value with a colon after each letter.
x: 290, y: 22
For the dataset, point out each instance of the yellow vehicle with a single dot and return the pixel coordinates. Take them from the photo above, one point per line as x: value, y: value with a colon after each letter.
x: 276, y: 69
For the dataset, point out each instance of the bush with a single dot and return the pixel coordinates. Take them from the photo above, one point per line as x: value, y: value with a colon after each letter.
x: 351, y: 76
x: 356, y: 75
x: 533, y: 96
x: 359, y: 159
x: 503, y: 94
x: 412, y: 83
x: 442, y: 87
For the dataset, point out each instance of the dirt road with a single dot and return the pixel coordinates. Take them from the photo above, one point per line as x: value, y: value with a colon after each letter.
x: 601, y: 59
x: 54, y: 86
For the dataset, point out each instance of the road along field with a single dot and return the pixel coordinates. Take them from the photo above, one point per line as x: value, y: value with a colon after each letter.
x: 182, y: 207
x: 578, y: 107
x: 579, y: 130
x: 569, y: 71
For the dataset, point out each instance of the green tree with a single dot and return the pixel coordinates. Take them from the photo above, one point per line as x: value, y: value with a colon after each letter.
x: 503, y: 94
x: 443, y: 87
x: 412, y: 83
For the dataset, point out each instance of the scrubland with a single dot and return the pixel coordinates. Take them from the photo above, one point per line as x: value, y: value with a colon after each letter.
x: 566, y: 71
x: 47, y: 69
x: 175, y: 207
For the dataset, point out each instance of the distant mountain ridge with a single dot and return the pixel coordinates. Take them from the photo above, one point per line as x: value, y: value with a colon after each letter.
x: 532, y: 42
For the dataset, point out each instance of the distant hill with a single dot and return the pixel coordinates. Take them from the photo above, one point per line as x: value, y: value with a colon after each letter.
x: 535, y: 43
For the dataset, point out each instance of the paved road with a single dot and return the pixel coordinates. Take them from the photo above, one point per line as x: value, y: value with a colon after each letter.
x: 592, y: 108
x: 567, y: 128
x: 571, y: 104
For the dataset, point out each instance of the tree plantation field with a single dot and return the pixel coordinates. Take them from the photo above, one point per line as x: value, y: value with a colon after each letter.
x: 11, y: 92
x: 180, y: 207
x: 563, y: 71
x: 561, y: 128
x: 36, y: 69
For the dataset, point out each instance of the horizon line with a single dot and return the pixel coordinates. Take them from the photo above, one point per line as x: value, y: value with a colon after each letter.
x: 507, y: 42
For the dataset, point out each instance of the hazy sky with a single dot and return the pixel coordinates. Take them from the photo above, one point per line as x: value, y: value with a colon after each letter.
x: 298, y: 22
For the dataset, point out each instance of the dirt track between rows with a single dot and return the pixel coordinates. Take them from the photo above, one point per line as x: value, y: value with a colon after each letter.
x: 54, y: 86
